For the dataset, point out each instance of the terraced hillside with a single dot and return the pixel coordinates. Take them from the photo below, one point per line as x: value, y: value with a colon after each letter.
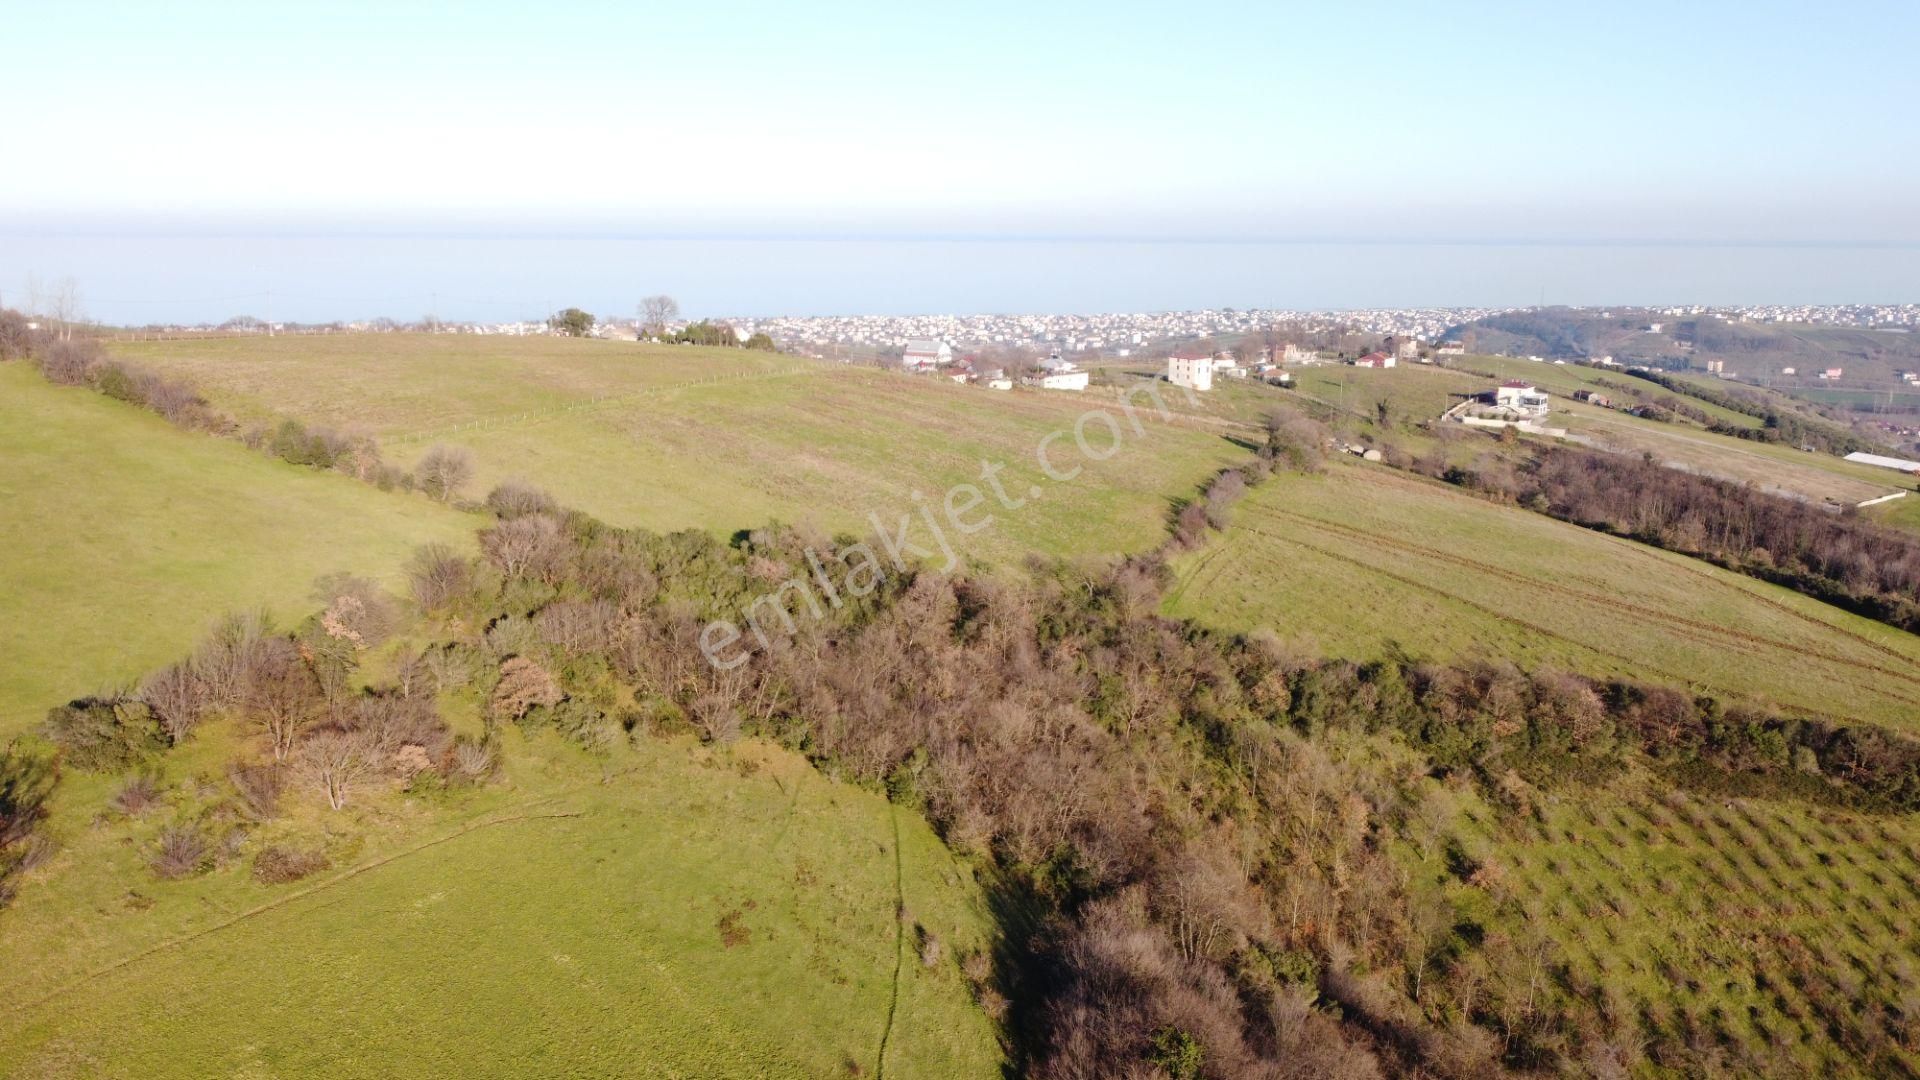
x: 1762, y: 935
x: 123, y: 538
x: 674, y: 437
x: 1364, y: 561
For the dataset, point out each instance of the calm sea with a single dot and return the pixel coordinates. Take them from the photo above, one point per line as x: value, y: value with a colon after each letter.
x: 187, y: 278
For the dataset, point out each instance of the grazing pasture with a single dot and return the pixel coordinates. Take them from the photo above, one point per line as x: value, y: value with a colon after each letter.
x: 670, y: 910
x: 124, y: 537
x: 1363, y: 561
x: 676, y: 437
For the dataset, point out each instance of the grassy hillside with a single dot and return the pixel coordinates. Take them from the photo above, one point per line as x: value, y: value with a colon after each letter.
x: 1363, y: 561
x: 673, y: 437
x: 1416, y: 393
x: 123, y: 538
x: 666, y: 910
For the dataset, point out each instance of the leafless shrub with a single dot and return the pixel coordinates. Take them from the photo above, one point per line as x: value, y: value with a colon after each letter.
x: 182, y: 850
x: 16, y: 340
x: 138, y: 794
x: 179, y: 696
x: 277, y: 865
x: 470, y: 762
x: 444, y: 471
x: 438, y: 575
x: 932, y: 949
x: 258, y: 786
x: 514, y: 499
x: 68, y: 363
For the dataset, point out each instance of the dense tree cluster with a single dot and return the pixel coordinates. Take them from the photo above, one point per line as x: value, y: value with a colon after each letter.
x: 1776, y: 426
x: 1196, y: 824
x: 1839, y: 558
x: 314, y: 728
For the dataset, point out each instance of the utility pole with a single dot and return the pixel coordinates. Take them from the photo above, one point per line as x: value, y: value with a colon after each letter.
x: 269, y: 312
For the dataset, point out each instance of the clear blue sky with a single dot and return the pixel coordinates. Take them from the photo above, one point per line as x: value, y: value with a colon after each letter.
x: 1706, y: 120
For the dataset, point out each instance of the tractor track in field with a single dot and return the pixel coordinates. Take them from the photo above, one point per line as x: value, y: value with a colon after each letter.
x: 1626, y: 663
x: 1687, y: 564
x: 1207, y: 561
x: 21, y: 1008
x: 1649, y: 614
x: 899, y: 943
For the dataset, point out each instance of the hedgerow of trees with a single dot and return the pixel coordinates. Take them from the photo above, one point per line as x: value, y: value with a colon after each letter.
x: 1840, y: 558
x: 1776, y: 426
x: 442, y: 473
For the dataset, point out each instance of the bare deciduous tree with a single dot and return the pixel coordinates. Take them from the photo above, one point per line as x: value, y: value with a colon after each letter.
x: 437, y: 574
x: 524, y: 547
x: 335, y: 763
x: 444, y: 471
x: 656, y: 312
x: 178, y: 695
x: 282, y: 696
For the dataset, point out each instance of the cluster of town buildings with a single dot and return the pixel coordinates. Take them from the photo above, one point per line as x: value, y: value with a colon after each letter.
x: 1880, y: 316
x: 1117, y: 335
x: 934, y: 356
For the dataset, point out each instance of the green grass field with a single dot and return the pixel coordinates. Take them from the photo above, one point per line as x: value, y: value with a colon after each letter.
x: 670, y: 911
x: 1415, y: 393
x: 124, y: 538
x: 674, y: 437
x: 1773, y: 930
x: 1362, y: 561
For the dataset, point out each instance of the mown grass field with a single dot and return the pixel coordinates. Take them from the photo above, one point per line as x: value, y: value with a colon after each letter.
x: 1363, y: 561
x: 1768, y: 929
x: 669, y: 911
x: 123, y: 538
x: 674, y: 437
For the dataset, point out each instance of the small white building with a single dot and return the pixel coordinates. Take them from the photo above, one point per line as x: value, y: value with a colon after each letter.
x: 1190, y: 370
x: 1294, y: 354
x: 925, y: 354
x: 1450, y: 348
x: 1520, y: 396
x: 1059, y: 374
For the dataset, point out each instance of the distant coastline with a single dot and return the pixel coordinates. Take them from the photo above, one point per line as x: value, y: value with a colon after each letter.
x: 136, y: 278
